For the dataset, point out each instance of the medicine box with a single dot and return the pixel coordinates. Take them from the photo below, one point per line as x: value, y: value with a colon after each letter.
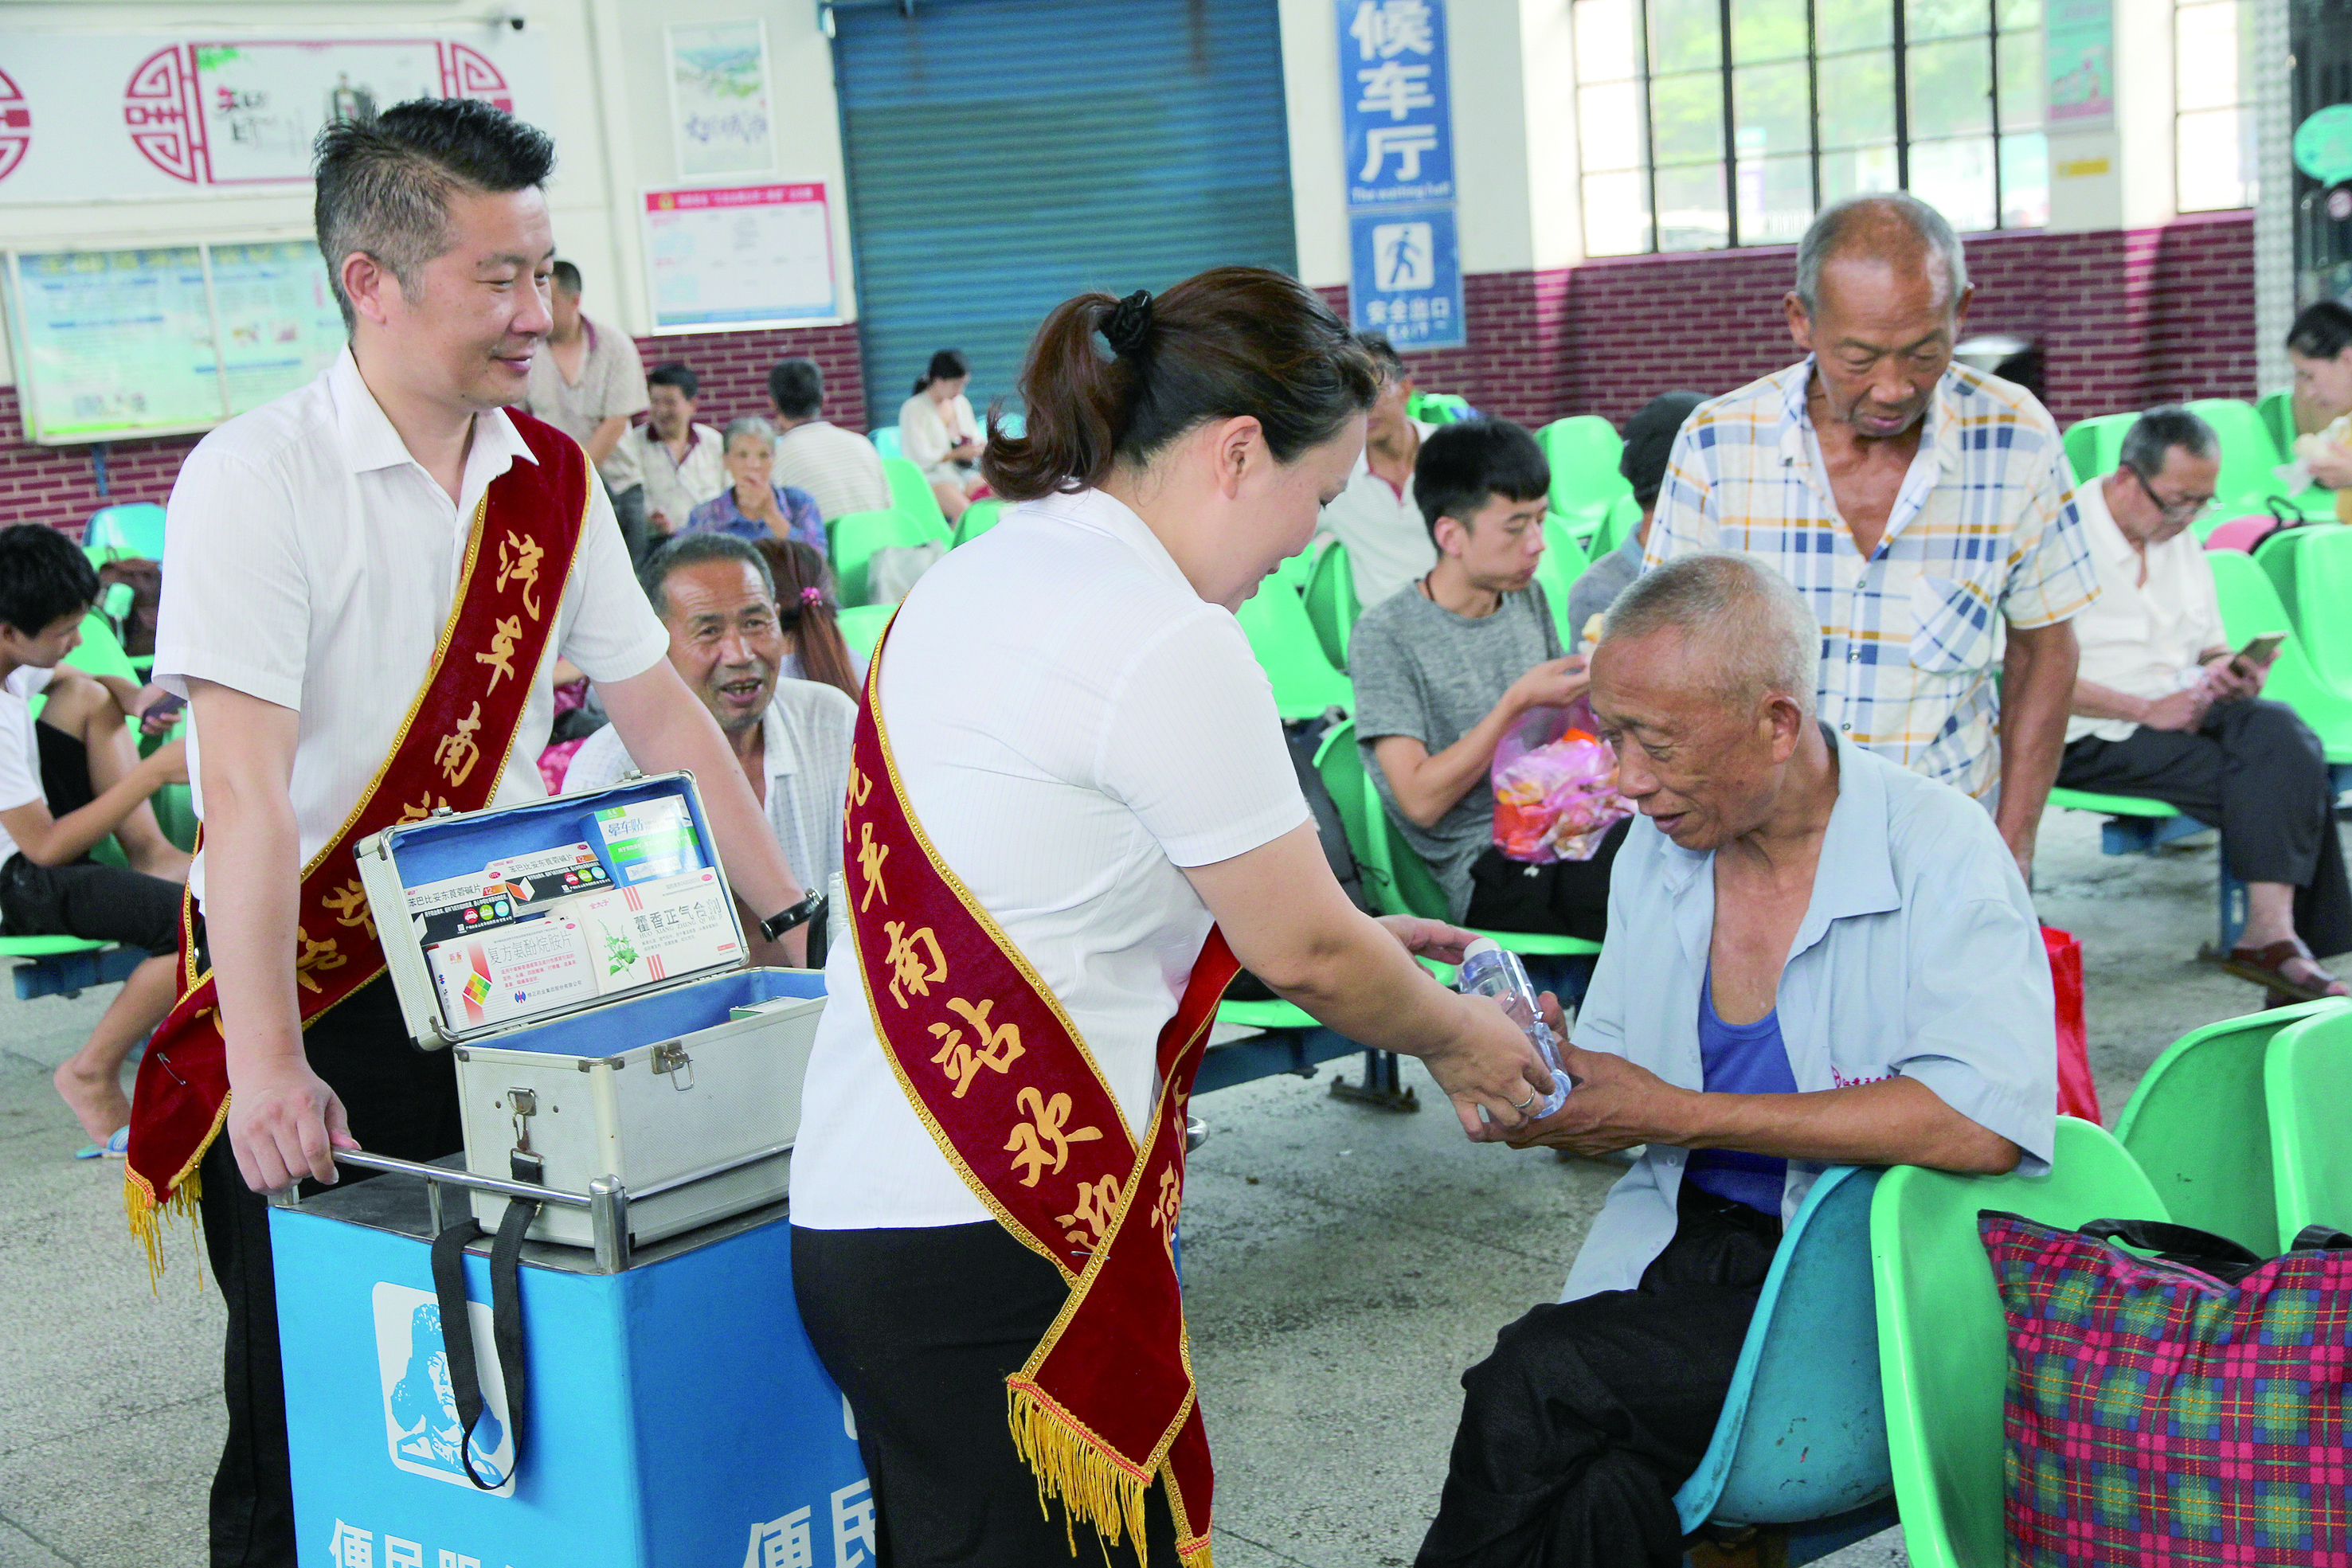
x: 585, y: 960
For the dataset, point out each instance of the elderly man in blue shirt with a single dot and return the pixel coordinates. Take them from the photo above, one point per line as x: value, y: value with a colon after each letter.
x: 1815, y: 957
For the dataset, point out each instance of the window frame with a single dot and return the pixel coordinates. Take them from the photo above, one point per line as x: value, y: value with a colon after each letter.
x: 2243, y: 108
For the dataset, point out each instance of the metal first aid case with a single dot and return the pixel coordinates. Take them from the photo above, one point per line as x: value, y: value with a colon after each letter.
x: 584, y: 958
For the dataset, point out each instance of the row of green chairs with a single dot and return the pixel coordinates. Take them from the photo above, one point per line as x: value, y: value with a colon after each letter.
x: 1584, y: 451
x: 2311, y: 568
x: 2251, y: 449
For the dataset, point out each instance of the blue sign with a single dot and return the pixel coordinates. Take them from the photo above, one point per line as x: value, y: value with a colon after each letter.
x: 1406, y: 276
x: 1395, y: 109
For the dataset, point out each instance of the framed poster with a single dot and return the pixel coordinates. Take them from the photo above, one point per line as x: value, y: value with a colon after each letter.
x: 2079, y: 56
x: 719, y: 113
x: 740, y: 256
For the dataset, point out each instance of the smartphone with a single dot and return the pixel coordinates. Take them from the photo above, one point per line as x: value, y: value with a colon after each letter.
x: 2261, y: 651
x: 163, y: 708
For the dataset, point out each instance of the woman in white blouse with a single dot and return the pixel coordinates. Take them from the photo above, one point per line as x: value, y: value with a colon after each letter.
x: 1081, y: 731
x: 937, y: 434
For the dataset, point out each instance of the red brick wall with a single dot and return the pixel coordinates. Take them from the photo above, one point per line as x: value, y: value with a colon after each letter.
x: 2127, y: 319
x: 58, y: 485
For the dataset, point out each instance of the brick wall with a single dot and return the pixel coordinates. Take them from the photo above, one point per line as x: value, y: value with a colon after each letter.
x: 58, y: 485
x: 2127, y: 319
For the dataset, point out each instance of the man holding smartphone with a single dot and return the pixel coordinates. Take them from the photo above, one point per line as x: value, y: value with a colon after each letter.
x: 2165, y: 709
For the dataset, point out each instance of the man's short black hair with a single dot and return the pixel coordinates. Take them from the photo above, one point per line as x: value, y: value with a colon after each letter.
x: 797, y: 388
x: 1384, y: 354
x: 1650, y: 441
x: 2321, y: 330
x: 679, y: 374
x: 44, y: 577
x: 1463, y: 464
x: 697, y: 550
x: 384, y: 182
x: 566, y: 278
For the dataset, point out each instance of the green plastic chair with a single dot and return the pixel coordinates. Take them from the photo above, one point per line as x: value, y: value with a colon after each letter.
x: 1620, y: 523
x: 1304, y: 685
x: 2249, y: 452
x: 1294, y: 570
x: 131, y: 528
x: 1438, y: 408
x: 2306, y: 1083
x: 861, y: 626
x: 2249, y: 607
x: 100, y: 652
x: 912, y: 493
x: 885, y: 440
x: 855, y: 535
x: 2311, y: 567
x: 1563, y: 562
x: 2277, y: 412
x: 2136, y: 825
x: 1584, y: 451
x: 1332, y: 606
x: 1398, y: 880
x: 977, y: 519
x: 1943, y: 1348
x: 2200, y: 1126
x: 2093, y: 446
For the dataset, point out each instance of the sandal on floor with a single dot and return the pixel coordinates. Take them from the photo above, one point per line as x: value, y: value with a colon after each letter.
x: 115, y: 1148
x: 2267, y: 967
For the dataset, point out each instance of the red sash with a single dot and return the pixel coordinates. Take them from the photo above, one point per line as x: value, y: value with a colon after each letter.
x: 998, y: 1073
x: 451, y: 749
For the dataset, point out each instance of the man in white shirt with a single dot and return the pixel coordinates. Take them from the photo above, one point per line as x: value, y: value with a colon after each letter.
x: 2164, y: 709
x: 315, y: 550
x: 718, y: 598
x: 839, y: 467
x: 684, y: 463
x: 587, y: 382
x: 1388, y: 541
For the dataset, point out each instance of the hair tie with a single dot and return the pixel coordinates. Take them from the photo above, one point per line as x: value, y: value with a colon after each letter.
x: 811, y: 597
x: 1129, y: 323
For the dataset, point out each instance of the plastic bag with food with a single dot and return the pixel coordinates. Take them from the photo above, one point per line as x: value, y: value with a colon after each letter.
x: 1555, y: 790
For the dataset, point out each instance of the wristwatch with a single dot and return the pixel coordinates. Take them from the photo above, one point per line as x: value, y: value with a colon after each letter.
x: 800, y: 914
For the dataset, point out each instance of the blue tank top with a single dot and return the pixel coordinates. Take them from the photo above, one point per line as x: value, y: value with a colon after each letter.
x: 1741, y: 1059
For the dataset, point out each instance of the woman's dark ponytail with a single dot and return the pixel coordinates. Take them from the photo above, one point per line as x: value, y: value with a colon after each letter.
x: 1232, y: 342
x: 945, y: 366
x: 806, y: 609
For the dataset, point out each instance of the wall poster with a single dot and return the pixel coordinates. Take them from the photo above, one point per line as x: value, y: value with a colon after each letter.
x: 719, y: 99
x: 745, y: 255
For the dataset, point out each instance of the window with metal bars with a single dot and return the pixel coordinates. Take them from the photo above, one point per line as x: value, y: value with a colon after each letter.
x: 1709, y: 124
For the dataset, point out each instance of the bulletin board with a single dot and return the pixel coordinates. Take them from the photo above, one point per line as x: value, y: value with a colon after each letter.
x: 164, y: 339
x: 742, y: 256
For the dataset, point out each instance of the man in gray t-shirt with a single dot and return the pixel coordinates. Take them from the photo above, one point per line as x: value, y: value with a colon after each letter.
x: 1444, y: 669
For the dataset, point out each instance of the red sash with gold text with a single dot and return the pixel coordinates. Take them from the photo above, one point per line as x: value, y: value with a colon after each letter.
x: 451, y: 751
x: 999, y: 1074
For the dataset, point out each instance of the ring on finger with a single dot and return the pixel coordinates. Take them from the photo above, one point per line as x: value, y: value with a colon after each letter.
x: 1523, y: 1104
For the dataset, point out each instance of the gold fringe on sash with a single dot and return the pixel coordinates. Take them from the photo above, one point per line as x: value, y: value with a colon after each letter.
x: 1095, y: 1487
x: 147, y: 1217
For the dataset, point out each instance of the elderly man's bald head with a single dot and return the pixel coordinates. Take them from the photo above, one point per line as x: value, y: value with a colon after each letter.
x: 1739, y: 620
x: 1893, y: 229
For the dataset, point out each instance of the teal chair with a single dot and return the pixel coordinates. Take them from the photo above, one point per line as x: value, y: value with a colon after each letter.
x: 2251, y: 607
x: 1584, y: 451
x: 855, y: 535
x: 977, y: 519
x: 1563, y: 562
x: 1943, y: 1346
x: 1802, y: 1443
x: 885, y: 440
x: 132, y: 528
x: 1304, y: 685
x: 1331, y: 600
x: 911, y: 493
x: 2093, y: 446
x: 2202, y: 1127
x: 2306, y: 1084
x: 2311, y: 567
x: 861, y: 626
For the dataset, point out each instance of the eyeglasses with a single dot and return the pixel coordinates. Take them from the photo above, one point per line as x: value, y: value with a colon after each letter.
x: 2180, y: 511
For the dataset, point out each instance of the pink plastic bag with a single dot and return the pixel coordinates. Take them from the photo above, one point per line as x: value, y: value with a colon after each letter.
x: 1555, y: 791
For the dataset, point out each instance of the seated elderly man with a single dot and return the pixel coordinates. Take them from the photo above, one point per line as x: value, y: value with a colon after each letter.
x: 718, y: 598
x: 1815, y: 957
x: 2164, y: 708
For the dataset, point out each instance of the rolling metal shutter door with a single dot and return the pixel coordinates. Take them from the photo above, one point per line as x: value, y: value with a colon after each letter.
x: 1005, y: 154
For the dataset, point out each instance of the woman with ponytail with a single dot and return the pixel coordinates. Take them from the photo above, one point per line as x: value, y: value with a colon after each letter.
x: 1070, y: 812
x: 809, y: 615
x: 937, y: 433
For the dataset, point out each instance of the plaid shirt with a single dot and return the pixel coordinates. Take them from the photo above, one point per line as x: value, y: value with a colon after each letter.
x: 1985, y: 521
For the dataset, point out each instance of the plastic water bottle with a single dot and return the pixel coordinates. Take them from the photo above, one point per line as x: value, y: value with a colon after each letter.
x: 1490, y: 969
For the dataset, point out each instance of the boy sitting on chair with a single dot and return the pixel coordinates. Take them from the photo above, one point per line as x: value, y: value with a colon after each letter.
x: 67, y: 781
x: 1815, y: 957
x: 1450, y: 664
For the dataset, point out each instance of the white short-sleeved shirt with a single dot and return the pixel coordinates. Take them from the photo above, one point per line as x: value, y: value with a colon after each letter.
x: 1388, y: 540
x: 1073, y: 726
x: 2142, y: 639
x: 313, y: 563
x: 20, y: 748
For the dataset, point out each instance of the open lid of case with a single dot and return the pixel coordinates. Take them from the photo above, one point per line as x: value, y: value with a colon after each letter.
x: 508, y: 917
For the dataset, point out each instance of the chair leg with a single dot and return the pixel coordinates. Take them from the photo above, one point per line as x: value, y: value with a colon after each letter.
x: 1382, y: 1086
x: 1759, y: 1546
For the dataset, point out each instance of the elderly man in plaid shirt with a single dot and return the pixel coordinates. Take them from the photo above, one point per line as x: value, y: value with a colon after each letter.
x: 1915, y: 504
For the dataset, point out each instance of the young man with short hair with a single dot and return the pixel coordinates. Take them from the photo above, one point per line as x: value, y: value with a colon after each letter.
x: 839, y: 467
x: 684, y: 463
x: 1447, y: 666
x: 67, y: 780
x: 589, y: 382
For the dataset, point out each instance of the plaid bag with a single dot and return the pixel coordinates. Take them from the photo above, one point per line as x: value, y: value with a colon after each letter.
x: 2182, y: 1409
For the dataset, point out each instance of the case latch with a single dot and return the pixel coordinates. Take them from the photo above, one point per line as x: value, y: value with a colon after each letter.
x: 670, y: 1056
x: 525, y: 1106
